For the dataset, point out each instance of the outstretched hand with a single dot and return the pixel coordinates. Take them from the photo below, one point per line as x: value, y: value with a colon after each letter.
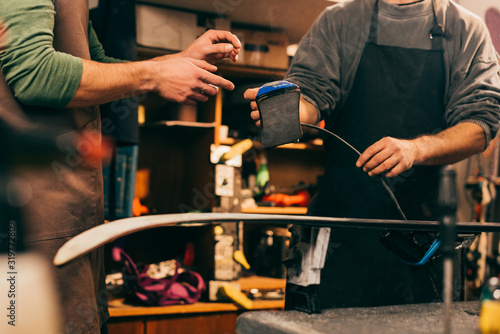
x: 187, y: 80
x: 213, y: 46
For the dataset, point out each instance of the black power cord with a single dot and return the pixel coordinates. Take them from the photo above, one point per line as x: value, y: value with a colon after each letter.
x: 384, y: 183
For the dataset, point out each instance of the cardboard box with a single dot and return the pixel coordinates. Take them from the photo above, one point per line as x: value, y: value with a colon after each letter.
x: 171, y: 29
x: 263, y: 49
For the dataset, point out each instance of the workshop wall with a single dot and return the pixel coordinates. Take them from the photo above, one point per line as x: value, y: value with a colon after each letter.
x: 488, y: 10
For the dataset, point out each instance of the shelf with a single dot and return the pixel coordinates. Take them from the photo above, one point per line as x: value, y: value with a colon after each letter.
x: 180, y: 124
x: 474, y: 181
x: 261, y: 283
x: 118, y: 309
x: 244, y: 71
x: 312, y: 145
x: 276, y: 210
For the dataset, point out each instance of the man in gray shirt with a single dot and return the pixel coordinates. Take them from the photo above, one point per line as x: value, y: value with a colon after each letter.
x: 413, y: 85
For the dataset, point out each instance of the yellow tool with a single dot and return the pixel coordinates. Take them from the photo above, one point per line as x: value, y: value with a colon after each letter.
x: 489, y: 317
x: 238, y: 297
x: 239, y: 257
x: 236, y: 149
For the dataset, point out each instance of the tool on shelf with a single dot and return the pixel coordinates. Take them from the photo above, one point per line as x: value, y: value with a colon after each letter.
x: 239, y: 257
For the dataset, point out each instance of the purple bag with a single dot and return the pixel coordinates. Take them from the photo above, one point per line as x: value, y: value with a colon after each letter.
x: 183, y: 287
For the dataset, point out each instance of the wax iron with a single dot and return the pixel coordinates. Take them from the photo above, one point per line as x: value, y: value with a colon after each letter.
x: 278, y: 104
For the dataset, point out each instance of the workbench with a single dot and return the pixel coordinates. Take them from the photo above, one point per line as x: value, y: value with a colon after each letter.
x: 416, y: 318
x: 201, y: 317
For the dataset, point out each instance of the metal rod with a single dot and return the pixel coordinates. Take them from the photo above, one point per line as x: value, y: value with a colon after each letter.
x: 447, y: 201
x: 448, y: 293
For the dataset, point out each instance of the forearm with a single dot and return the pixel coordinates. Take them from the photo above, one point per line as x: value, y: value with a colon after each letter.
x: 101, y: 83
x: 308, y: 113
x: 451, y: 145
x: 176, y: 79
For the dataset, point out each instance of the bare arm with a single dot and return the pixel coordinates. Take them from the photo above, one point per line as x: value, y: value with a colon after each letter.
x: 178, y: 79
x: 391, y: 156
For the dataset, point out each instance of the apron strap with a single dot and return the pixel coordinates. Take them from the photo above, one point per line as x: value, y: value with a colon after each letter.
x: 438, y: 33
x: 374, y: 25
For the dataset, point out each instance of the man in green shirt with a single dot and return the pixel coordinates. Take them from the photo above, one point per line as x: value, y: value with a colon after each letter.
x: 54, y: 72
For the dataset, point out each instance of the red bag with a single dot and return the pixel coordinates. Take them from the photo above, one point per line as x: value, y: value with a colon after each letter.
x: 183, y: 287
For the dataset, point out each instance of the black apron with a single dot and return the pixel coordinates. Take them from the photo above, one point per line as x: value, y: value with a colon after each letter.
x: 397, y: 92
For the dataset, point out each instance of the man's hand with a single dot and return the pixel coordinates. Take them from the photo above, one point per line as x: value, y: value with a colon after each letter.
x: 187, y: 80
x: 213, y: 46
x: 389, y: 156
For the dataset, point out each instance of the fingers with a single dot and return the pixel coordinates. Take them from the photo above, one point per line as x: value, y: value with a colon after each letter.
x: 224, y: 50
x: 216, y: 80
x: 210, y: 78
x: 383, y: 163
x: 255, y: 115
x: 209, y: 90
x: 191, y: 102
x: 197, y: 96
x: 217, y: 36
x: 386, y: 166
x: 221, y: 44
x: 388, y: 156
x: 368, y: 154
x: 204, y: 65
x: 234, y: 56
x: 396, y: 170
x: 251, y: 94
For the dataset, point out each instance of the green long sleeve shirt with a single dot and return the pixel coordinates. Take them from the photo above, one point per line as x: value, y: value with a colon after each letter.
x: 36, y: 72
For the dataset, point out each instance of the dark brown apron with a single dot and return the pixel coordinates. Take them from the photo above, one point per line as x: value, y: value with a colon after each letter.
x: 397, y: 92
x: 64, y: 197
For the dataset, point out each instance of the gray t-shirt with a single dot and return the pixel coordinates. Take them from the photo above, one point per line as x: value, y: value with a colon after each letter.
x: 329, y: 54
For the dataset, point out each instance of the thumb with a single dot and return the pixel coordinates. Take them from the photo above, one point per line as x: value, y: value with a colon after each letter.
x: 219, y: 48
x: 219, y: 51
x: 251, y: 93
